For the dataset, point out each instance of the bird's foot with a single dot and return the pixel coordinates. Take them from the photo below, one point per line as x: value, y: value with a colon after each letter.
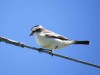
x: 50, y: 52
x: 40, y: 50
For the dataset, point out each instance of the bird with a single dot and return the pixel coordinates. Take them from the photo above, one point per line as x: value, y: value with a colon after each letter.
x: 52, y: 41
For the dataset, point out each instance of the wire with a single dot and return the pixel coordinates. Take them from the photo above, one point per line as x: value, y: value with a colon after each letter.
x: 16, y: 43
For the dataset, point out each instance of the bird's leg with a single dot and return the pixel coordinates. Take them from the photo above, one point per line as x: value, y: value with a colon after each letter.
x: 56, y: 47
x: 42, y: 49
x: 51, y: 52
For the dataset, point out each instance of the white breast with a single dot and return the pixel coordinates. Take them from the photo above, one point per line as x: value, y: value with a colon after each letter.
x: 50, y: 43
x: 42, y: 40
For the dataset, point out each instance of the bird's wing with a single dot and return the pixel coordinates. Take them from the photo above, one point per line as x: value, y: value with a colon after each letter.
x: 54, y: 35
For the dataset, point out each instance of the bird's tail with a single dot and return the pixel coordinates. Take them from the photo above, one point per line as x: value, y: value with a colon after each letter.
x: 82, y: 42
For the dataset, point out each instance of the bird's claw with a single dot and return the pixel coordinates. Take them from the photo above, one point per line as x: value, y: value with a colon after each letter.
x: 50, y: 52
x: 40, y: 50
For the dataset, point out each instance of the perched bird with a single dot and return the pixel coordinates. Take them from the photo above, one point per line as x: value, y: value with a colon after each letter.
x: 50, y: 40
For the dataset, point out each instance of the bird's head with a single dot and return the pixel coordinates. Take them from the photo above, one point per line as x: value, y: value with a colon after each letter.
x: 36, y: 28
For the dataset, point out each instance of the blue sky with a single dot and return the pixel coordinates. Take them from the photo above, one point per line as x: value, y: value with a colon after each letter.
x: 75, y: 19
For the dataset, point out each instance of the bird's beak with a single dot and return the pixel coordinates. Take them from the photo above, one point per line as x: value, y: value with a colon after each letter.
x: 31, y: 34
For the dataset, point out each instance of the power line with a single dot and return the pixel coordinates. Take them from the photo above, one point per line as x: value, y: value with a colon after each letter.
x: 16, y: 43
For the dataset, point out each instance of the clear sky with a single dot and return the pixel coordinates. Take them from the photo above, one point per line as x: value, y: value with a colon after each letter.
x: 75, y: 19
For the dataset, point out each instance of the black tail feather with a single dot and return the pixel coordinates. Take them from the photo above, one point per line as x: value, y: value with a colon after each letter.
x: 82, y: 42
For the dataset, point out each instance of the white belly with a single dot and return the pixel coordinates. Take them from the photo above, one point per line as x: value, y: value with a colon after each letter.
x: 51, y: 43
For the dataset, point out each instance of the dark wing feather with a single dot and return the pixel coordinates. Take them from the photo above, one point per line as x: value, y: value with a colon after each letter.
x: 62, y: 38
x: 54, y: 35
x: 58, y: 37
